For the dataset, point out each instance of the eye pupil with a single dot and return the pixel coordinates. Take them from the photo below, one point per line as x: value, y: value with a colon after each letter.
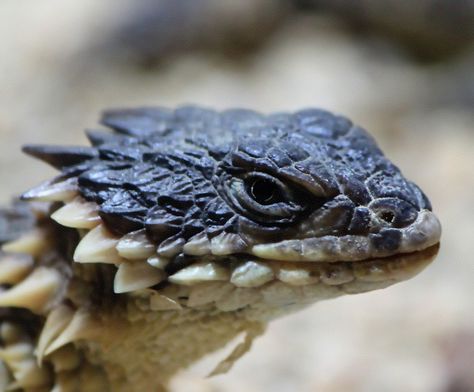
x: 263, y: 191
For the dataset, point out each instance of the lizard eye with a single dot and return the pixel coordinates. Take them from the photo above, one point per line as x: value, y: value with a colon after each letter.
x: 264, y: 190
x: 262, y: 195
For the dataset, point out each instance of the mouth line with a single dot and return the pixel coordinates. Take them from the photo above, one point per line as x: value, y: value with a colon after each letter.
x: 395, y: 267
x: 256, y: 272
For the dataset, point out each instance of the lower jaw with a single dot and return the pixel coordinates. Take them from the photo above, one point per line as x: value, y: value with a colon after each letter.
x: 390, y: 269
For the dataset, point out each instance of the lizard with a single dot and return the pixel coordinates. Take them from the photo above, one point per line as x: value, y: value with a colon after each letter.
x: 183, y: 229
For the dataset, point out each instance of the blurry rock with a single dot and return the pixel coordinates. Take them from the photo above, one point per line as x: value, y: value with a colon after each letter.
x: 153, y: 30
x: 431, y: 28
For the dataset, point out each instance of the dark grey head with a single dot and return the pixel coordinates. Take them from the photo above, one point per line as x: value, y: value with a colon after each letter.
x: 237, y: 186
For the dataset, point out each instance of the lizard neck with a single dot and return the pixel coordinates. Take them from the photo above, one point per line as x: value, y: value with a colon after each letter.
x: 140, y: 348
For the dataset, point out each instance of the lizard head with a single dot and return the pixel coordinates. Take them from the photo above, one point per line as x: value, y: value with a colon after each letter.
x: 237, y: 210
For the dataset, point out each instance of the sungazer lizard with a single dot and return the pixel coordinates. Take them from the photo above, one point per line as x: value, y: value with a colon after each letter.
x: 182, y: 229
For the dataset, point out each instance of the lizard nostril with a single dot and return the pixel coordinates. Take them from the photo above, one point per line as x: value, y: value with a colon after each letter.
x: 387, y: 216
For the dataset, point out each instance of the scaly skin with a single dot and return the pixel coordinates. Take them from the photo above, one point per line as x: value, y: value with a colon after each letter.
x: 183, y: 229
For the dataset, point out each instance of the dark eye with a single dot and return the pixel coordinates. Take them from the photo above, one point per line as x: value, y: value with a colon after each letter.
x: 263, y: 190
x: 264, y: 198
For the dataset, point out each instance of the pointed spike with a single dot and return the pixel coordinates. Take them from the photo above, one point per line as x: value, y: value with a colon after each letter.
x: 162, y: 302
x: 32, y: 243
x: 13, y: 268
x: 82, y: 326
x: 200, y: 272
x: 61, y: 156
x: 135, y: 276
x: 135, y: 246
x: 98, y: 138
x: 55, y: 190
x: 57, y: 321
x: 136, y: 122
x: 198, y: 245
x: 98, y: 246
x: 78, y: 214
x: 36, y: 292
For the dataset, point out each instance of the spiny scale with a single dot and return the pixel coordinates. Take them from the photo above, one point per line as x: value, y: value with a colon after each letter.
x: 82, y: 326
x: 61, y: 157
x: 55, y: 190
x: 200, y: 272
x: 98, y: 246
x: 227, y: 243
x: 198, y: 245
x: 135, y: 246
x: 136, y: 275
x: 36, y: 292
x: 13, y: 268
x: 251, y: 274
x: 18, y: 357
x: 57, y: 321
x: 78, y: 214
x: 32, y: 243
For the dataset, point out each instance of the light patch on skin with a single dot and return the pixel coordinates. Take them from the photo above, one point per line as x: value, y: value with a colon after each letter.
x: 200, y: 272
x: 198, y: 245
x: 251, y: 274
x: 159, y: 302
x: 158, y: 262
x: 227, y: 244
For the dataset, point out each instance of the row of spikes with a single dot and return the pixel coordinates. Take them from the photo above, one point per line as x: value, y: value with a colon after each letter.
x: 129, y: 252
x: 29, y: 285
x: 22, y: 366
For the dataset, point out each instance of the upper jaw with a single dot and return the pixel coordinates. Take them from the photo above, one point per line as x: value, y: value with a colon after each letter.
x: 423, y: 233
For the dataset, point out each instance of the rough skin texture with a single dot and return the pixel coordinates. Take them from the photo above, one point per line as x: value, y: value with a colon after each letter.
x: 183, y: 229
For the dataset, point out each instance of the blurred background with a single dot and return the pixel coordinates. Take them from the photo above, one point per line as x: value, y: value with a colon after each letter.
x: 402, y: 69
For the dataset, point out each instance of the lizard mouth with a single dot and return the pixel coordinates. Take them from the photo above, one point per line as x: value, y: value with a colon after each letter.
x: 346, y: 264
x: 350, y: 276
x: 420, y: 235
